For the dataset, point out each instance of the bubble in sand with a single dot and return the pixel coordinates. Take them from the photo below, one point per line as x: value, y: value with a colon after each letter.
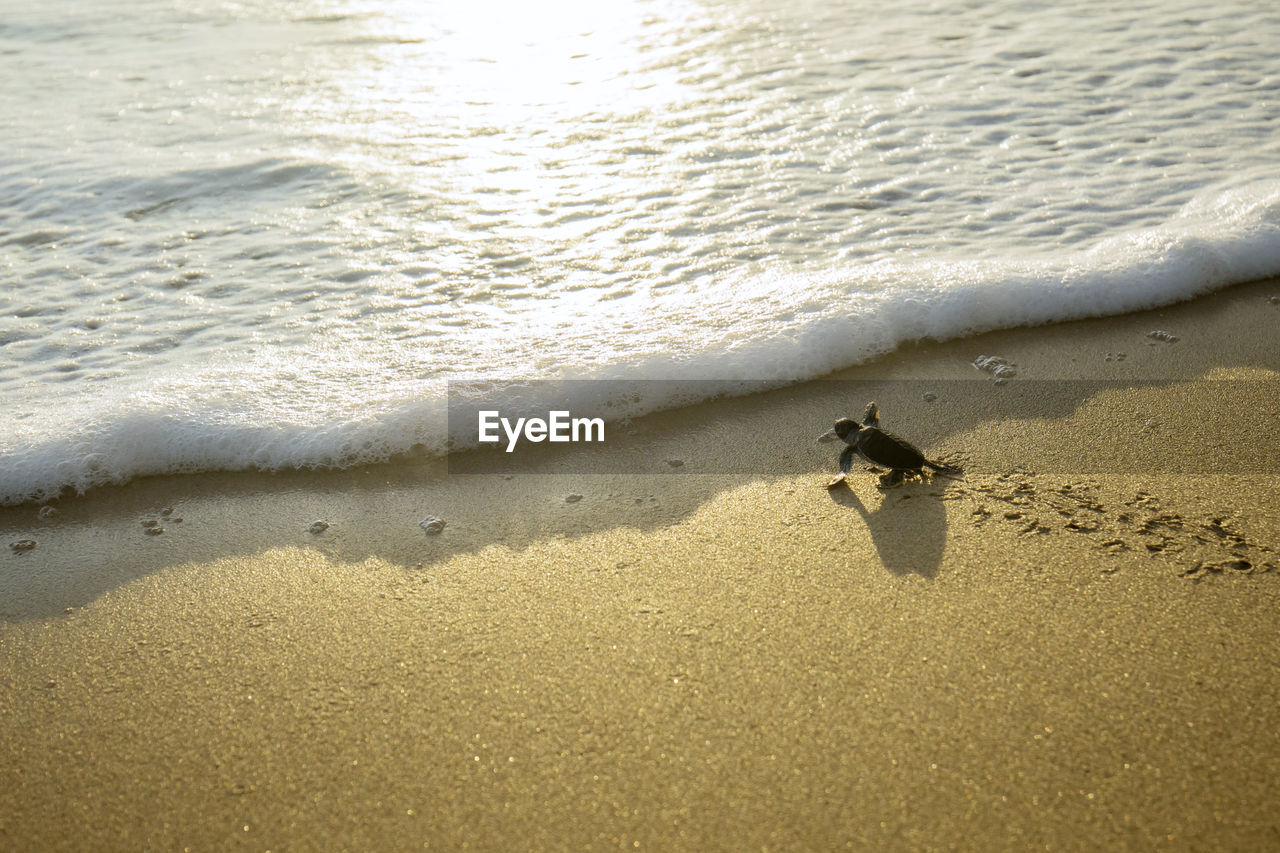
x: 929, y: 396
x: 319, y: 526
x: 1274, y: 300
x: 675, y: 463
x: 999, y: 368
x: 572, y: 498
x: 22, y: 546
x: 1163, y: 335
x: 432, y: 525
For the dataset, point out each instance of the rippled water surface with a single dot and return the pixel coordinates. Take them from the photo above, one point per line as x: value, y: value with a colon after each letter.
x: 264, y: 233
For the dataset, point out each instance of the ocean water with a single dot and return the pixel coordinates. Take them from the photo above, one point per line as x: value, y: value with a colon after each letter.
x: 269, y: 233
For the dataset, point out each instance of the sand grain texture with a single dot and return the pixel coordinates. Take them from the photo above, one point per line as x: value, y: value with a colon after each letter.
x: 1074, y: 646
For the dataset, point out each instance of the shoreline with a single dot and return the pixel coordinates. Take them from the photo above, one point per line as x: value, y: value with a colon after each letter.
x: 721, y: 655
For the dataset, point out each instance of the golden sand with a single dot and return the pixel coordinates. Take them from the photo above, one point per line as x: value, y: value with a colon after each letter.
x: 1074, y: 646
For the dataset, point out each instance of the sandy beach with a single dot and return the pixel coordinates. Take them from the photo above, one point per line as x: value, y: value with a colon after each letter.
x: 1074, y: 646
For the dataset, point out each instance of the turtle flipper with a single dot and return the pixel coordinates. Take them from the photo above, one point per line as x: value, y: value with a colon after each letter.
x: 893, y: 478
x: 846, y: 465
x: 846, y: 459
x: 871, y: 416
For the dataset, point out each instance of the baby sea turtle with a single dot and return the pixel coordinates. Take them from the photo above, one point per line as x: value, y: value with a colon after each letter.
x: 881, y: 448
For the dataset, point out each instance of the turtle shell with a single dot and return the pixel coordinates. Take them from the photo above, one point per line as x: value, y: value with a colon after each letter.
x: 888, y: 450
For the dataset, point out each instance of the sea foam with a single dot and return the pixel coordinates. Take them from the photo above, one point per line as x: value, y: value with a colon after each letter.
x: 349, y: 403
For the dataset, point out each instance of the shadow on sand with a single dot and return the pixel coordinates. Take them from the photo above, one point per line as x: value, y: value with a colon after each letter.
x: 908, y: 527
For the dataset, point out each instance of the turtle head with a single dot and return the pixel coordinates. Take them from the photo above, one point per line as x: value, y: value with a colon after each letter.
x: 846, y: 427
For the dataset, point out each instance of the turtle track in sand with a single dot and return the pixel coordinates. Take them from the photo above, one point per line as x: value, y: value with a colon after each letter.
x: 1202, y: 545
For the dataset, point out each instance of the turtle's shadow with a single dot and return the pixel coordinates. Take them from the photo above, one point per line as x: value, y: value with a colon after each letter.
x: 908, y: 528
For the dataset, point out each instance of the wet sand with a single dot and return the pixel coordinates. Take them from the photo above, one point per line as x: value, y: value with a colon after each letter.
x: 1074, y: 646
